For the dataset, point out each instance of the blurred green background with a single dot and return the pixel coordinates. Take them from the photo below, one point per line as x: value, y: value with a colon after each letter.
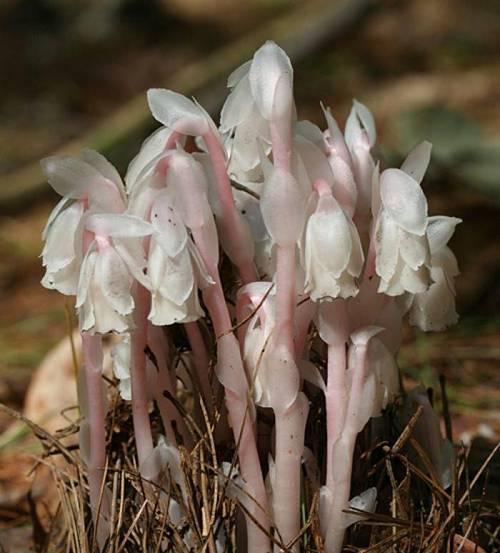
x: 75, y: 70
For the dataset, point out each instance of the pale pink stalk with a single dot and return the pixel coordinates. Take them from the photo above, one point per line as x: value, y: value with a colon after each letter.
x: 230, y: 222
x: 240, y: 412
x: 201, y: 360
x: 343, y: 456
x: 334, y: 330
x: 140, y: 412
x: 170, y: 415
x: 291, y: 422
x: 336, y: 403
x: 92, y: 362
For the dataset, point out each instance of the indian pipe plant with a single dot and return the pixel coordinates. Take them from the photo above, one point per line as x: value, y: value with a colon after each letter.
x: 326, y: 245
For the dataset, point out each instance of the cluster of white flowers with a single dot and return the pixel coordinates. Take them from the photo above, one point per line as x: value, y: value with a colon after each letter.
x: 360, y: 247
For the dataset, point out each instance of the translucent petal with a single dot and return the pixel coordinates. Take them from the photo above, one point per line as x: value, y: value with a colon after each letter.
x: 132, y: 254
x: 335, y: 137
x: 367, y: 121
x: 387, y: 246
x: 58, y: 208
x: 344, y: 187
x: 69, y: 176
x: 86, y: 274
x: 329, y: 237
x: 417, y: 161
x: 118, y: 225
x: 404, y: 200
x: 114, y: 280
x: 283, y: 207
x: 59, y: 249
x: 440, y: 229
x: 177, y: 112
x: 104, y: 167
x: 269, y: 64
x: 238, y: 74
x: 413, y: 249
x: 237, y: 107
x: 170, y: 231
x: 314, y: 160
x: 153, y: 146
x: 311, y: 132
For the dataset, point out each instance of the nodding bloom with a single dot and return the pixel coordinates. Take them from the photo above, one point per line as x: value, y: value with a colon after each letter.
x: 401, y: 245
x: 332, y: 250
x: 114, y: 259
x: 175, y: 268
x: 360, y: 136
x: 434, y: 309
x: 83, y: 182
x: 345, y: 189
x: 261, y: 97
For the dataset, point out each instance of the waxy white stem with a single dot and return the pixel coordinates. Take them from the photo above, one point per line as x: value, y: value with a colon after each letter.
x: 92, y: 362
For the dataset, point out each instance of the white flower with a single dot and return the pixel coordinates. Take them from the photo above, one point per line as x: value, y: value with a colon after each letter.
x: 332, y: 251
x: 120, y: 355
x: 113, y: 259
x: 175, y: 269
x: 360, y: 137
x: 434, y: 309
x: 261, y: 94
x: 345, y: 189
x: 401, y: 245
x: 87, y: 181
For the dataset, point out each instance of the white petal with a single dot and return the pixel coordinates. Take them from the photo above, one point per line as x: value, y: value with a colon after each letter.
x: 440, y: 229
x: 153, y: 146
x: 118, y: 225
x: 237, y: 107
x: 366, y: 118
x: 387, y: 246
x: 238, y: 74
x: 86, y: 274
x: 270, y: 63
x: 417, y: 161
x: 104, y: 167
x: 413, y: 249
x: 59, y: 249
x: 114, y: 280
x: 404, y: 200
x: 283, y: 207
x: 69, y: 176
x: 177, y: 112
x: 170, y: 232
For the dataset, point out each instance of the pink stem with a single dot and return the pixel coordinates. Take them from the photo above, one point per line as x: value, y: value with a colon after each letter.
x: 336, y: 403
x: 201, y: 359
x: 345, y: 452
x: 170, y: 415
x: 239, y: 410
x: 230, y: 222
x: 92, y: 359
x: 140, y: 413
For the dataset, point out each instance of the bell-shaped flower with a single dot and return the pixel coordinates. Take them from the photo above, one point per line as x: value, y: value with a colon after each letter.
x: 261, y: 96
x: 333, y: 256
x: 113, y: 260
x: 152, y: 154
x: 87, y: 181
x: 360, y: 137
x: 345, y: 189
x: 175, y: 268
x: 178, y: 113
x: 401, y: 244
x: 62, y: 251
x: 434, y: 309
